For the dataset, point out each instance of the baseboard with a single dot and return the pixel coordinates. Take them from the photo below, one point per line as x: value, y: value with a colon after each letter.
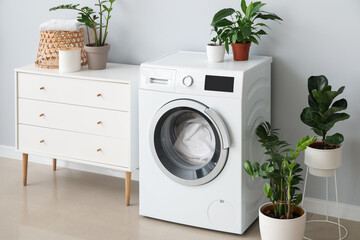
x: 10, y: 152
x: 346, y: 211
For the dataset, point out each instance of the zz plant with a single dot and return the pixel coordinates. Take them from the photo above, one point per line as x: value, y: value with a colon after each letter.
x: 98, y: 22
x: 234, y: 26
x: 281, y: 168
x: 322, y: 113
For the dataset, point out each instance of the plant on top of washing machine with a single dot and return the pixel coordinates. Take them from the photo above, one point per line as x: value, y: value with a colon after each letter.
x: 240, y: 29
x: 284, y: 174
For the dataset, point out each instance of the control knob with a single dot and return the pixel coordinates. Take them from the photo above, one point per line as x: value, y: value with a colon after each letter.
x: 188, y: 81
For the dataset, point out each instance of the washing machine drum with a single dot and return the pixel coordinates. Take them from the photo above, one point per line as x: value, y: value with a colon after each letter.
x: 189, y: 142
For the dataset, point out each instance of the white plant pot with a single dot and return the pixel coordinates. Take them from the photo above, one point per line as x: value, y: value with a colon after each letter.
x: 281, y: 229
x: 215, y: 53
x: 323, y: 162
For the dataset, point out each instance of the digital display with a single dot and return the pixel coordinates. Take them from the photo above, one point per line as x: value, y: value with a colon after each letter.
x: 219, y: 83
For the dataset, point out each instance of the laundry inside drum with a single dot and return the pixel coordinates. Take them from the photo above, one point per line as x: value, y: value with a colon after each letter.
x: 189, y: 139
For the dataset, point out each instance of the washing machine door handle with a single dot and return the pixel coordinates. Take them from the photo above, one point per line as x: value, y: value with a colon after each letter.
x: 219, y: 123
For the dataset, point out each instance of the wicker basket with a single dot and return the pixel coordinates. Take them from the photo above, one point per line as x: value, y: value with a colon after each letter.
x: 52, y: 41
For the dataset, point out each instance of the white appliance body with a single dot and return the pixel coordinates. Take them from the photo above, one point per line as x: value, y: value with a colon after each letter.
x: 222, y: 197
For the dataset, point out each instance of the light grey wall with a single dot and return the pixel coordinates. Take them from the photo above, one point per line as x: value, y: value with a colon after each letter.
x: 316, y: 37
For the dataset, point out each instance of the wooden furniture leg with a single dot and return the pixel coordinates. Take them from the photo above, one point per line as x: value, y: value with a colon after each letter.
x: 54, y: 164
x: 25, y: 167
x: 127, y: 188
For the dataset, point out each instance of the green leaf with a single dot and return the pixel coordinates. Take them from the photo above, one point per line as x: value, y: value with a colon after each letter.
x: 227, y: 45
x: 317, y: 82
x: 249, y: 9
x: 336, y: 117
x: 261, y: 32
x: 298, y: 199
x: 327, y: 98
x: 234, y: 37
x: 336, y: 107
x: 254, y: 40
x: 248, y: 168
x: 223, y: 22
x: 223, y: 13
x: 264, y: 166
x: 309, y: 117
x: 243, y: 6
x: 270, y: 169
x: 256, y: 167
x: 268, y: 191
x: 246, y: 30
x: 257, y: 6
x: 317, y: 131
x: 335, y: 139
x: 270, y: 16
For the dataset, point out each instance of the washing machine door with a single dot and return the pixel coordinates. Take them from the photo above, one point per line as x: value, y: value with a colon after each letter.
x: 189, y: 142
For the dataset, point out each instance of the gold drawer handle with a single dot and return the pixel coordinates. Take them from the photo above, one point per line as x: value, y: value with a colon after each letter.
x: 98, y: 150
x: 42, y: 141
x: 42, y: 115
x: 42, y: 88
x: 99, y: 95
x: 99, y: 122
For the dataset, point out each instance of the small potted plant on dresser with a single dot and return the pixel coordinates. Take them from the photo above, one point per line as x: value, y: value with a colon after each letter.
x: 241, y: 29
x: 321, y: 115
x: 282, y: 218
x: 96, y: 50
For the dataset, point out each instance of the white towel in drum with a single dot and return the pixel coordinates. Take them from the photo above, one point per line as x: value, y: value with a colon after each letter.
x: 60, y: 25
x: 196, y: 141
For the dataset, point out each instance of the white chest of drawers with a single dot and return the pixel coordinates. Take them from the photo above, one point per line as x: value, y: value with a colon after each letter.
x: 88, y: 116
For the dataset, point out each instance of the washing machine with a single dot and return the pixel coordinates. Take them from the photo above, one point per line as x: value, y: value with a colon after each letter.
x: 197, y: 123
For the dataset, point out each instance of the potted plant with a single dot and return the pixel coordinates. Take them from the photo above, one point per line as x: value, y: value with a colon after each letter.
x: 216, y: 50
x: 321, y: 115
x: 97, y: 51
x: 282, y: 218
x: 242, y: 28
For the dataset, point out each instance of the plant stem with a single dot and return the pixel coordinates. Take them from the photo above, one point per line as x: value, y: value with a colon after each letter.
x: 101, y: 16
x: 88, y: 35
x: 107, y: 24
x: 96, y: 37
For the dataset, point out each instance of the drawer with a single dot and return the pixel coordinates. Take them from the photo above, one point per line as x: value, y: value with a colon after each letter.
x: 97, y: 121
x: 74, y: 91
x: 86, y: 147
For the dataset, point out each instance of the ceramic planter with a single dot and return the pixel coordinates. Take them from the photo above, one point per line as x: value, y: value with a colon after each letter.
x: 215, y: 53
x: 323, y: 162
x: 281, y: 229
x: 97, y: 56
x: 241, y: 51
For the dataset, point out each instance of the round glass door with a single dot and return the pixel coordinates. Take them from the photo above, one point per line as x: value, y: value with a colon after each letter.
x: 188, y: 142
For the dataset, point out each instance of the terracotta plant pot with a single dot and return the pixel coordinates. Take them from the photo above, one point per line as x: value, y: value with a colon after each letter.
x: 215, y: 53
x: 281, y: 229
x: 97, y: 56
x: 322, y: 162
x: 241, y: 51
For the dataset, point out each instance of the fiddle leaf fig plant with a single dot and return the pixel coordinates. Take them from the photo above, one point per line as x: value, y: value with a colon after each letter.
x: 322, y: 113
x: 98, y: 22
x: 281, y: 169
x: 242, y: 27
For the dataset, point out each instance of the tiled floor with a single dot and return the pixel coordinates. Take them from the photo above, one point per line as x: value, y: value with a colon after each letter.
x: 72, y: 205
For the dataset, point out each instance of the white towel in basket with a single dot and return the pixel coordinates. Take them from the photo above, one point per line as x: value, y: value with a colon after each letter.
x: 60, y: 25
